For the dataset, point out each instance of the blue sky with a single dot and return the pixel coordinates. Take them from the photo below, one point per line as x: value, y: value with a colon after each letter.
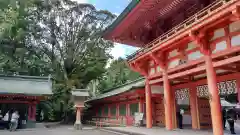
x: 116, y: 7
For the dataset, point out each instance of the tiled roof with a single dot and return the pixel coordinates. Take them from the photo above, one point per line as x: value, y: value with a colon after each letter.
x: 119, y: 19
x: 80, y: 92
x: 27, y: 85
x: 120, y: 89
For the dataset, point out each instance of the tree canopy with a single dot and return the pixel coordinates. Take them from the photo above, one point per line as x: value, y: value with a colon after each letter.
x: 117, y: 73
x: 57, y: 37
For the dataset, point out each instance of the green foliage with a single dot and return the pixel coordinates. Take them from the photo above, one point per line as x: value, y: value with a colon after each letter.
x: 58, y: 37
x: 117, y: 74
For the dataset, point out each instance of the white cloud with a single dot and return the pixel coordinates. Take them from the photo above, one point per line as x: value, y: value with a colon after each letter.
x: 121, y: 50
x: 117, y: 14
x: 118, y: 51
x: 82, y: 1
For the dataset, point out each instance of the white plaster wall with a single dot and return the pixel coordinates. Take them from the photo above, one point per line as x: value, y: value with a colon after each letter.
x: 235, y: 26
x: 220, y: 46
x: 218, y: 33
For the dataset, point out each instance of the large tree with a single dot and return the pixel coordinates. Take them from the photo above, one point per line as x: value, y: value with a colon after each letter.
x: 70, y: 35
x: 55, y: 36
x: 16, y: 53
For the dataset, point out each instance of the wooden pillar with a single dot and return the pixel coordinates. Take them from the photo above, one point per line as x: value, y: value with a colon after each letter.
x: 127, y: 109
x: 193, y: 106
x: 174, y: 121
x: 117, y: 112
x: 29, y: 111
x: 140, y: 106
x: 168, y: 101
x: 109, y: 111
x: 34, y: 112
x: 148, y: 95
x: 214, y: 97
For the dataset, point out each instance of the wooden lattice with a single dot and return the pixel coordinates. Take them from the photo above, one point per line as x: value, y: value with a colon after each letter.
x: 182, y: 94
x: 224, y: 88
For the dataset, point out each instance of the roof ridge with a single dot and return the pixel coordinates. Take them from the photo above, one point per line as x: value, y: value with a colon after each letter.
x: 116, y: 90
x: 127, y: 83
x: 25, y: 77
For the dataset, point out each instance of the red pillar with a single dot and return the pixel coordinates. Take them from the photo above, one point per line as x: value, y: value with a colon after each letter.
x: 34, y: 112
x: 127, y: 109
x: 214, y: 97
x: 29, y: 111
x: 168, y: 101
x: 109, y: 111
x: 193, y: 106
x: 140, y: 106
x: 117, y: 112
x: 148, y: 104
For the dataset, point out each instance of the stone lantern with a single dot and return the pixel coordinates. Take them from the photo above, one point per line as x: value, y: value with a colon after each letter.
x: 78, y: 97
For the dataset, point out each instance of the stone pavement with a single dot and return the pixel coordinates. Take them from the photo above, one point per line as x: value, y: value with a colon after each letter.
x: 56, y: 131
x: 162, y: 131
x: 67, y: 130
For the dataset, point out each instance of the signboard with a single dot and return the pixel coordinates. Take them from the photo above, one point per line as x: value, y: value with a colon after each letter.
x: 138, y: 116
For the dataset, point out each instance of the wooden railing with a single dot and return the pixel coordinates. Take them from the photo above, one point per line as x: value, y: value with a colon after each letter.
x: 182, y: 26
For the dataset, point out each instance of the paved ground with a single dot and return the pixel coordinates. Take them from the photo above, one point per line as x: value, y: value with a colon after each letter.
x: 56, y: 131
x: 64, y: 130
x: 162, y: 131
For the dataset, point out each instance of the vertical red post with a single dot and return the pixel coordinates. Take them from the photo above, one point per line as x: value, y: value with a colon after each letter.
x: 109, y: 111
x: 193, y: 106
x: 29, y: 111
x: 168, y: 101
x: 33, y: 117
x: 214, y: 97
x: 140, y: 106
x: 129, y: 109
x: 148, y: 95
x: 126, y: 109
x: 117, y: 112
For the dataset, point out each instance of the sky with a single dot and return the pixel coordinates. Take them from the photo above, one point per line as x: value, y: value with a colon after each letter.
x: 116, y: 7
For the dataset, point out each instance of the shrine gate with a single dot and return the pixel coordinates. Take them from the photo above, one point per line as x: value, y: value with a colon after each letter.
x: 191, y: 46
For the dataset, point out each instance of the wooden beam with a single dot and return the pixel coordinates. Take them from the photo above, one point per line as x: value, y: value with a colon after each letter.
x: 200, y: 69
x: 199, y: 61
x: 229, y: 68
x: 215, y: 15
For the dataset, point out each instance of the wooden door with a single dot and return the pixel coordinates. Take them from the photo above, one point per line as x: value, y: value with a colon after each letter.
x: 204, y: 113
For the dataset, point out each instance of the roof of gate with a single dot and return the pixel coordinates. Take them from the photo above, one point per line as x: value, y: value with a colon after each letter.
x: 26, y: 85
x: 139, y: 83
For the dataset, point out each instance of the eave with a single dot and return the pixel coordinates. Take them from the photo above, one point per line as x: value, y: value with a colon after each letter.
x: 119, y: 19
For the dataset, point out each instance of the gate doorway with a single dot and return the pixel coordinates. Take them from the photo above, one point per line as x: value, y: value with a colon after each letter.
x: 182, y: 101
